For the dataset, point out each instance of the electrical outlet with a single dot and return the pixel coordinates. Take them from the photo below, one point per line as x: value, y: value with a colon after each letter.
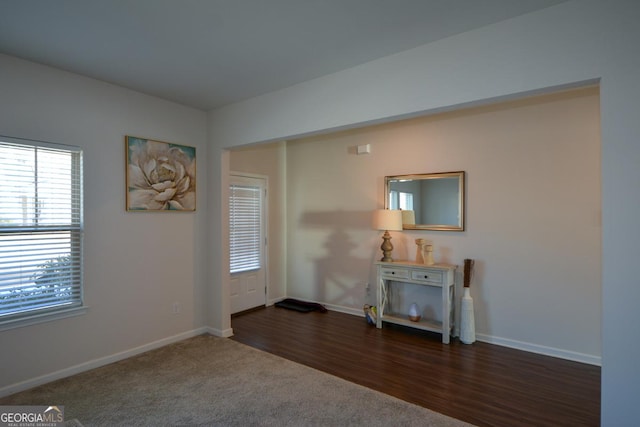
x: 175, y: 308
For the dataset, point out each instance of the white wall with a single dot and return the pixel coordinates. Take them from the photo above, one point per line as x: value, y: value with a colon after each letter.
x: 270, y: 160
x: 562, y: 45
x: 533, y: 215
x: 136, y: 264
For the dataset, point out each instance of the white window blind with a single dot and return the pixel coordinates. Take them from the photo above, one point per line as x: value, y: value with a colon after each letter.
x: 40, y: 228
x: 400, y: 200
x: 245, y: 212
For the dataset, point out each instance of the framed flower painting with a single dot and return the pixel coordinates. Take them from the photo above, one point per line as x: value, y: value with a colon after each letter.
x: 161, y: 176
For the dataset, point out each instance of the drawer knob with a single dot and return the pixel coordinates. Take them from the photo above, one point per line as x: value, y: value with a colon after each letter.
x: 426, y: 277
x: 393, y: 272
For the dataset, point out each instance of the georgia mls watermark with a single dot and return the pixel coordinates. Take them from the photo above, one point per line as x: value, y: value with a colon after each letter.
x: 31, y: 416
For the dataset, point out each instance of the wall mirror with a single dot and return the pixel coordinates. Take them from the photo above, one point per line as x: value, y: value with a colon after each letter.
x: 430, y: 201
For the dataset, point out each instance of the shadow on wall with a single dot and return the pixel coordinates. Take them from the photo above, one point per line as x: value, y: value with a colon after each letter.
x: 341, y: 275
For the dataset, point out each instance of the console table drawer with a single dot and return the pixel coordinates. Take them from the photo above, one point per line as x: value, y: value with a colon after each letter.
x: 394, y: 273
x: 427, y: 276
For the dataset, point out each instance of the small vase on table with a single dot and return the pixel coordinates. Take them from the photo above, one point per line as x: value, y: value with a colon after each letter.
x: 428, y: 255
x: 420, y: 251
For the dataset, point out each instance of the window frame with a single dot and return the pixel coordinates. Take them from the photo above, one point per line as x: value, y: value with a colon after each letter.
x: 396, y: 200
x: 74, y: 226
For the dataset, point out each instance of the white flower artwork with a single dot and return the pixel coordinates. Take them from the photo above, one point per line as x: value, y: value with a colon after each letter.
x: 160, y: 176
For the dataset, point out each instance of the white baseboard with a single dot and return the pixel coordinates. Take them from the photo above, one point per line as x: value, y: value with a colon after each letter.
x: 346, y: 310
x: 518, y: 345
x: 223, y: 333
x: 540, y: 349
x: 332, y: 307
x: 96, y: 363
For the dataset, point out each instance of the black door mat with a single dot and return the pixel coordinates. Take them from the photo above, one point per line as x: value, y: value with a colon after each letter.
x: 301, y: 306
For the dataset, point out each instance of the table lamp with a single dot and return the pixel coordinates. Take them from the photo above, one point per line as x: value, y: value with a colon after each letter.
x: 387, y: 220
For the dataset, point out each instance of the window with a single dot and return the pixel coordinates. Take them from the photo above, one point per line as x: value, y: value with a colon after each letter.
x: 400, y: 200
x: 245, y: 220
x: 40, y: 229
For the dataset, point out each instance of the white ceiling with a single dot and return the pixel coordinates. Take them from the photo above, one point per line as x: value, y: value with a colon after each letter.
x: 209, y: 53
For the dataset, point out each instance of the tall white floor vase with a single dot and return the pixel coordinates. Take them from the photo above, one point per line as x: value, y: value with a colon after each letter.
x: 467, y: 320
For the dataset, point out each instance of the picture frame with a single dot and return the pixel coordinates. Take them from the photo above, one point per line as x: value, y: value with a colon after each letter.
x: 160, y: 176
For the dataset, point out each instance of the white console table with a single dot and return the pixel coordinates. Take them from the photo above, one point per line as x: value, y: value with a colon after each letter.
x: 437, y: 275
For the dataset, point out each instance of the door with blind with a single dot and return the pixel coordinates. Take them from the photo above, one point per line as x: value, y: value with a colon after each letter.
x: 247, y: 242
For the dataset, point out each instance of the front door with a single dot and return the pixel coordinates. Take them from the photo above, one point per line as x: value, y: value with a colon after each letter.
x: 247, y: 242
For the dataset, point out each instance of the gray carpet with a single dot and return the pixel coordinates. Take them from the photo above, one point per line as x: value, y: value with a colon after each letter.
x: 214, y: 381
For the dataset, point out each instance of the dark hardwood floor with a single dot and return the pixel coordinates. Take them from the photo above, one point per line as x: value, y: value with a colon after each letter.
x: 483, y: 384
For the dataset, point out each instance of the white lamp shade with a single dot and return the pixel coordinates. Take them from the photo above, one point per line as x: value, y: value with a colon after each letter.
x: 408, y: 217
x: 388, y: 220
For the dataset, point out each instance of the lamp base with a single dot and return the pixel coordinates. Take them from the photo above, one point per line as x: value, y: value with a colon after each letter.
x: 386, y: 247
